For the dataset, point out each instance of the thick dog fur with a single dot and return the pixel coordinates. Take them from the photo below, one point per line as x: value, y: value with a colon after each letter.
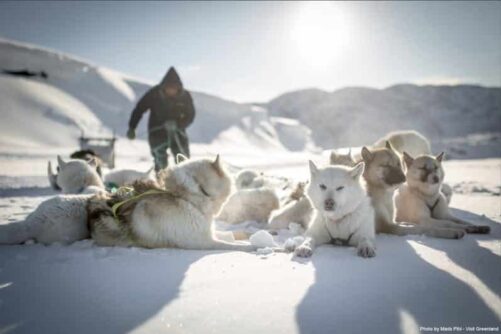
x: 342, y: 211
x: 249, y: 205
x: 61, y: 219
x: 126, y: 177
x: 75, y: 177
x: 421, y: 202
x: 182, y: 216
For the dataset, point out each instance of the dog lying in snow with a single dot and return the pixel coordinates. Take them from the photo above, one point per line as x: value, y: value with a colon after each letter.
x: 249, y: 205
x: 407, y: 140
x: 421, y: 202
x: 62, y: 218
x: 126, y: 177
x: 383, y: 175
x: 342, y: 211
x: 75, y: 176
x: 249, y: 179
x: 179, y: 214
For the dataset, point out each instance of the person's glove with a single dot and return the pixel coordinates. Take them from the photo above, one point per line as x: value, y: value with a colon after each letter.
x: 131, y: 134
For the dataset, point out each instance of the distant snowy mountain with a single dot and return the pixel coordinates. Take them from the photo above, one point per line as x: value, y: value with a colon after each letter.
x: 357, y: 116
x: 73, y: 96
x: 77, y: 96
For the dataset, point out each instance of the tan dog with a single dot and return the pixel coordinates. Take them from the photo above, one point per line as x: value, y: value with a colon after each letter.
x: 383, y: 175
x: 178, y: 214
x: 421, y: 202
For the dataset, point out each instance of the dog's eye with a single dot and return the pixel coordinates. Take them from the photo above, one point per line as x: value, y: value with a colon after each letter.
x: 204, y: 192
x: 340, y: 188
x: 323, y: 187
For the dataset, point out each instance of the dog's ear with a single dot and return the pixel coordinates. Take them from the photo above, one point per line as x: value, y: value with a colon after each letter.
x: 440, y: 157
x: 52, y: 177
x: 180, y: 158
x: 358, y: 170
x: 92, y: 162
x: 408, y: 159
x: 388, y: 145
x: 217, y: 165
x: 313, y: 168
x: 60, y: 162
x: 366, y: 154
x: 333, y: 157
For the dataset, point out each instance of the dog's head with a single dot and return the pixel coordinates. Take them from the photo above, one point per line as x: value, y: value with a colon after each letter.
x: 335, y: 190
x: 203, y: 180
x: 75, y: 175
x: 425, y: 172
x: 383, y: 167
x: 342, y: 159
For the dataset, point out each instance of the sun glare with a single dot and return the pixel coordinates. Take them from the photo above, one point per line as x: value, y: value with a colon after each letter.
x: 319, y: 33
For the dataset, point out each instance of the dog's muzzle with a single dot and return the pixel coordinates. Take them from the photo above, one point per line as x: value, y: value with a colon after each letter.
x: 329, y: 204
x: 394, y: 176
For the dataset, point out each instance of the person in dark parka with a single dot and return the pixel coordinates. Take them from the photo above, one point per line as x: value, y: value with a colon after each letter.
x: 171, y: 112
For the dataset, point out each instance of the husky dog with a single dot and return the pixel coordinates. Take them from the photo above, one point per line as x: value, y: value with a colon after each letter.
x: 421, y: 202
x: 125, y: 177
x: 409, y: 141
x: 62, y: 219
x: 299, y: 211
x: 295, y: 209
x: 178, y: 214
x: 342, y: 211
x: 342, y: 159
x: 249, y: 205
x: 88, y: 155
x: 75, y: 177
x: 247, y: 178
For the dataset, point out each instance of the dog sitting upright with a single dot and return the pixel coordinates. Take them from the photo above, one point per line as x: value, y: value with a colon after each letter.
x: 421, y: 202
x: 179, y: 214
x: 383, y: 175
x: 342, y: 211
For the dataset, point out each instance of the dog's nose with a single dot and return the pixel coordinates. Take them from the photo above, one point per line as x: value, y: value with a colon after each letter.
x: 435, y: 179
x: 329, y: 204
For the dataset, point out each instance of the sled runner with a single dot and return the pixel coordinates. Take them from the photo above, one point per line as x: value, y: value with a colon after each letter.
x: 104, y: 148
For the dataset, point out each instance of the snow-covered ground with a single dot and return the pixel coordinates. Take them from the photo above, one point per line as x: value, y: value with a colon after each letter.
x: 413, y: 282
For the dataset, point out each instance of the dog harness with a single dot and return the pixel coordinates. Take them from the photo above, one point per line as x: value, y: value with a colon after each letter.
x: 129, y: 191
x: 434, y: 204
x: 342, y: 242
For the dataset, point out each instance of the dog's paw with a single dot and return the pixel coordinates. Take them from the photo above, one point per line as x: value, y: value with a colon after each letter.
x: 303, y: 251
x: 478, y: 229
x: 366, y: 251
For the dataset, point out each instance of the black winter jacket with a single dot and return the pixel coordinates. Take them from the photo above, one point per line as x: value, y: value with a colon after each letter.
x: 163, y: 108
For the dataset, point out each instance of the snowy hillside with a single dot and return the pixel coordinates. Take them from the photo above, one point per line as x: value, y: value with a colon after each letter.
x: 357, y: 116
x: 77, y: 95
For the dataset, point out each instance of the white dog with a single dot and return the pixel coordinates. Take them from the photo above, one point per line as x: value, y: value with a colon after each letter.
x: 179, y: 214
x: 420, y: 201
x: 75, y: 176
x: 126, y: 177
x: 343, y: 213
x: 62, y: 219
x: 249, y: 205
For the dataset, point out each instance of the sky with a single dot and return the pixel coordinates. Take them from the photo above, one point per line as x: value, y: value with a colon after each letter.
x: 255, y: 51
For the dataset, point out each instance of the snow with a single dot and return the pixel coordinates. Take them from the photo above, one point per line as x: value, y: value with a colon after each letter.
x: 413, y: 282
x: 262, y: 239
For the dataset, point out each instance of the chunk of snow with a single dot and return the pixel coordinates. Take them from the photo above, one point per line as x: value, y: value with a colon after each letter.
x: 262, y: 239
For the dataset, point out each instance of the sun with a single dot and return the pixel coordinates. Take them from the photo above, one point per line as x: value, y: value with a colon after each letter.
x: 320, y: 31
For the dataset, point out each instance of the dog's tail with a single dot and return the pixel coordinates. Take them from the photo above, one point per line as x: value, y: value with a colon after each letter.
x: 401, y: 230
